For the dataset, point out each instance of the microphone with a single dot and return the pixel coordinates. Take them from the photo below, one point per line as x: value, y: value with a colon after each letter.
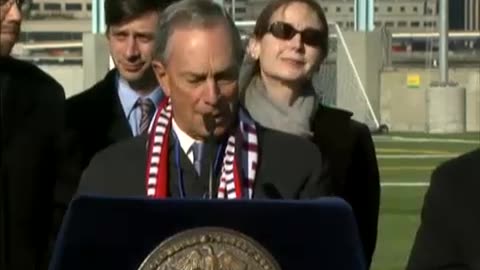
x: 210, y: 142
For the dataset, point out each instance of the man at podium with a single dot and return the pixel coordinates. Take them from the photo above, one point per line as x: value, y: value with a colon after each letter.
x: 202, y: 144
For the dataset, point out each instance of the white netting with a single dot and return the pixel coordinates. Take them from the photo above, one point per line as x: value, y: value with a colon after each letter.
x: 350, y: 92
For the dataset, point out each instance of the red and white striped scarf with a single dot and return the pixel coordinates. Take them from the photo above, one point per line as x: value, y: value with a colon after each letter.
x: 232, y: 183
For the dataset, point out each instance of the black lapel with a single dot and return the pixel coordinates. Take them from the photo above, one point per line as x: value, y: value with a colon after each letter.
x: 14, y: 93
x: 4, y: 81
x: 118, y: 129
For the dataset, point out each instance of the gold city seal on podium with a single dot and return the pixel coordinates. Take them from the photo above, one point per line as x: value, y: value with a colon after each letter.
x: 209, y: 248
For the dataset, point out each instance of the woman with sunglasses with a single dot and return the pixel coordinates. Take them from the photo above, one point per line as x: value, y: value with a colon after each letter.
x: 289, y: 43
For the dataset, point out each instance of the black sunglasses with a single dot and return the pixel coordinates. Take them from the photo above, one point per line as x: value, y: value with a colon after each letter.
x: 286, y: 31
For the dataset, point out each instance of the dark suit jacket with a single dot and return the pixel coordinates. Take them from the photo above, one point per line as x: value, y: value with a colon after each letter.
x: 94, y: 120
x: 448, y: 236
x: 348, y: 147
x: 31, y: 112
x: 289, y: 167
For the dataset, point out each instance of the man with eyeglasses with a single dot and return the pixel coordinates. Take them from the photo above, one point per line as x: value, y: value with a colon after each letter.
x: 11, y: 18
x: 31, y: 119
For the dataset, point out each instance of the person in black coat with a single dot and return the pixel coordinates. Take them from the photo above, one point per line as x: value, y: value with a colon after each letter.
x: 31, y: 118
x: 448, y: 235
x: 289, y: 43
x: 348, y: 147
x: 119, y: 171
x: 121, y: 105
x: 200, y: 129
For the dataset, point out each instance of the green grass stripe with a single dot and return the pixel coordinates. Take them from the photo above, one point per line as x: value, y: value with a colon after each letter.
x: 398, y: 223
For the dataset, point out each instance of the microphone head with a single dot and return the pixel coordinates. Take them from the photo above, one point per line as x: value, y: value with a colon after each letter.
x: 209, y: 121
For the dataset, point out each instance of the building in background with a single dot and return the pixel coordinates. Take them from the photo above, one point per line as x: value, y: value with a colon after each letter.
x: 397, y: 15
x: 472, y: 15
x: 464, y: 15
x: 242, y: 12
x: 68, y: 9
x: 53, y: 30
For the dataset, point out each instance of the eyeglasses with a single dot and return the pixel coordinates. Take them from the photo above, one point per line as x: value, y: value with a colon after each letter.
x: 7, y: 4
x: 286, y: 31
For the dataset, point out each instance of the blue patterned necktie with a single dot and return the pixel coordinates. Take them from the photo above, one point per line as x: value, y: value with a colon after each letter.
x: 147, y: 108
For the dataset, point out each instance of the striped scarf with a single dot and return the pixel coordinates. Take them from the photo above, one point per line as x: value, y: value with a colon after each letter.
x: 238, y: 169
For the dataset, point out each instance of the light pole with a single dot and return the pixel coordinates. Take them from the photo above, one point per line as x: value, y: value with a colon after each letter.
x: 364, y: 15
x: 443, y: 41
x: 98, y: 16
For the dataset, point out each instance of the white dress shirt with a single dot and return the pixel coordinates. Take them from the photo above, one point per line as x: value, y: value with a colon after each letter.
x: 128, y: 98
x: 185, y: 140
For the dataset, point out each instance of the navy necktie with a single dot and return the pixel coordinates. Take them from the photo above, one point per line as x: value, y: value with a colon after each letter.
x: 196, y: 149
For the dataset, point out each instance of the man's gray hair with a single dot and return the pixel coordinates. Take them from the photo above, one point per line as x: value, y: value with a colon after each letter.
x: 193, y: 14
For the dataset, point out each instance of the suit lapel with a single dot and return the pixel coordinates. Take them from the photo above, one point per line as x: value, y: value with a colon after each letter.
x: 276, y: 177
x: 334, y: 136
x: 4, y: 83
x: 4, y: 86
x: 13, y: 108
x: 119, y: 128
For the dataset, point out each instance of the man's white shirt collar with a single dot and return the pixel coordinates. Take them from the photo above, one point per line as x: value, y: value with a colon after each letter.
x: 184, y: 139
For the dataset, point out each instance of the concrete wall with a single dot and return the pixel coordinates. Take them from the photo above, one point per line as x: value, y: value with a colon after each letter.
x: 404, y: 108
x: 57, y: 25
x: 76, y: 78
x: 472, y: 118
x: 401, y: 108
x: 96, y: 59
x: 366, y: 52
x: 69, y: 76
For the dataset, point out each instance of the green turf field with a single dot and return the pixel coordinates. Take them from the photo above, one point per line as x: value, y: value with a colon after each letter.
x: 406, y: 162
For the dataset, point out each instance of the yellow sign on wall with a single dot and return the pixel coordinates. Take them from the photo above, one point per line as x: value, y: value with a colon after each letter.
x: 413, y: 80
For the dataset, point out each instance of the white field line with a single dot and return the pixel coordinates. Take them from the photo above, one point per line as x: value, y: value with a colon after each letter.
x: 405, y: 184
x: 423, y: 140
x: 402, y: 156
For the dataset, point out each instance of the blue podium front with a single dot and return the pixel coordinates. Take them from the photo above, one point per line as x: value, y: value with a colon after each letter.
x: 112, y: 233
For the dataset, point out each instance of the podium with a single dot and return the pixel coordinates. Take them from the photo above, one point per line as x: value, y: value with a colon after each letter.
x: 112, y: 233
